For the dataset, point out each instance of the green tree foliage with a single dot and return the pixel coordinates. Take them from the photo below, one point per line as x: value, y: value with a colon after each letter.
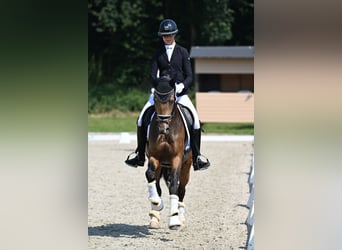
x: 122, y: 37
x: 214, y: 23
x: 243, y: 25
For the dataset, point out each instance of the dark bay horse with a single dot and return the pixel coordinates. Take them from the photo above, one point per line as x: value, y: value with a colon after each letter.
x: 167, y: 156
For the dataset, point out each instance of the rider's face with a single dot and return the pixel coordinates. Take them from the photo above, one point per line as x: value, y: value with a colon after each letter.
x: 169, y: 39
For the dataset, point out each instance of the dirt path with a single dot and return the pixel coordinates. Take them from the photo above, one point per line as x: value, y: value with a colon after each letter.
x: 215, y: 201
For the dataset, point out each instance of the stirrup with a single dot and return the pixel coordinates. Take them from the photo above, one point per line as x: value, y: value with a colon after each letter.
x: 201, y: 165
x: 133, y: 160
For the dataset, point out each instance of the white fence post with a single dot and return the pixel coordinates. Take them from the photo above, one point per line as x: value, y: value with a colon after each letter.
x: 250, y: 243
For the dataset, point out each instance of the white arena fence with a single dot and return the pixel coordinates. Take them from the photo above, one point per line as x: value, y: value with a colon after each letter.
x: 250, y: 205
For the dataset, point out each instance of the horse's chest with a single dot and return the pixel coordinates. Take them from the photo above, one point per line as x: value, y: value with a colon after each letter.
x: 164, y: 139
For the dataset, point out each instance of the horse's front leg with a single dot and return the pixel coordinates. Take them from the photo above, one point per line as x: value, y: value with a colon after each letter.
x: 153, y: 176
x: 174, y: 221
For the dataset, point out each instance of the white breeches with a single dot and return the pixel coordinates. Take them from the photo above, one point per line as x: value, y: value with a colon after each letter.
x: 184, y: 100
x: 148, y: 104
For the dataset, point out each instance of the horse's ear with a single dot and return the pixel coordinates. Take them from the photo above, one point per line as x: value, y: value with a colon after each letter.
x: 165, y: 78
x: 164, y: 85
x: 155, y: 82
x: 165, y: 72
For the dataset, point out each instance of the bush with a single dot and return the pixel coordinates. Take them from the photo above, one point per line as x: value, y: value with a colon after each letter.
x: 108, y: 97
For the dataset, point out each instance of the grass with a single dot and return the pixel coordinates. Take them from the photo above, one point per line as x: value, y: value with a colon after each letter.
x: 114, y: 121
x: 126, y: 122
x: 229, y: 128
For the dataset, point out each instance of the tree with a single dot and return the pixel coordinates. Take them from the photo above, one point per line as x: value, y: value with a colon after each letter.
x: 122, y: 35
x: 120, y: 38
x: 243, y: 25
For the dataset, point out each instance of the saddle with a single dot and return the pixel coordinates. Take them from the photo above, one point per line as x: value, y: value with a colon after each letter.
x: 187, y: 117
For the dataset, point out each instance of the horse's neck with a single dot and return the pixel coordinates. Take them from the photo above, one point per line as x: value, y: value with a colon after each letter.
x: 177, y: 123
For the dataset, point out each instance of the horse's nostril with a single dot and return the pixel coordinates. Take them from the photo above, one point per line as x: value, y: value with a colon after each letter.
x: 164, y: 128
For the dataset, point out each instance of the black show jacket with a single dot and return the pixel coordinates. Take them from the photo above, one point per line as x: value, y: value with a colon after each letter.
x: 179, y: 67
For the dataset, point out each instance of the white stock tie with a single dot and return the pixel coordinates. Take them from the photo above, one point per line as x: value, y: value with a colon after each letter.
x: 169, y: 52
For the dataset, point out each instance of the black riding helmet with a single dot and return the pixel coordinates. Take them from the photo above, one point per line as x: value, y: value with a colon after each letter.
x: 167, y: 27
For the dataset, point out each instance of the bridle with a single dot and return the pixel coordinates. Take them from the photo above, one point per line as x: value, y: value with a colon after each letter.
x: 163, y: 98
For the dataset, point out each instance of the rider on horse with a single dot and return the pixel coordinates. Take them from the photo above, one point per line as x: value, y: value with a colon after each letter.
x: 173, y: 59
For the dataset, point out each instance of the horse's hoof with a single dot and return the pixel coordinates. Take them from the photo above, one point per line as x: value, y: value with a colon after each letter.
x: 175, y: 227
x: 174, y: 222
x: 154, y: 225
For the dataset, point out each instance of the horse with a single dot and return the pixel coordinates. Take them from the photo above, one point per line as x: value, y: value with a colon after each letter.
x: 167, y: 156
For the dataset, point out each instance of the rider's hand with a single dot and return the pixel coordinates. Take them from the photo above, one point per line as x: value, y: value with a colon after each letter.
x: 179, y: 87
x: 152, y: 90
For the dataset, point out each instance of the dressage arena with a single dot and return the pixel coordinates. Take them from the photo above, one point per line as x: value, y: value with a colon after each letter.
x: 215, y: 199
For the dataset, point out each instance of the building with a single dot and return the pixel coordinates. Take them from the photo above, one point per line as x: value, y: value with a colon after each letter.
x: 224, y: 83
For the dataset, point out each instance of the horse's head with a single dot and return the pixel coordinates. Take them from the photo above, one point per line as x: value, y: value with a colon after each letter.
x: 164, y: 101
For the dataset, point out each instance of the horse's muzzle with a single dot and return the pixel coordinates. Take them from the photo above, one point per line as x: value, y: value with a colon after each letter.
x: 164, y: 128
x: 163, y: 121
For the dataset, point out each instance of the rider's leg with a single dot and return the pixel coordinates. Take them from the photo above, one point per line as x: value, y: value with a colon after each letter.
x: 185, y: 101
x: 139, y: 159
x: 195, y: 139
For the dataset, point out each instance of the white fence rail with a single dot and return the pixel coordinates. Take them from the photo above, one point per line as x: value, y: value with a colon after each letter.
x: 250, y: 205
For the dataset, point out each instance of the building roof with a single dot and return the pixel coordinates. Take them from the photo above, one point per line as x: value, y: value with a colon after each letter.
x: 222, y: 52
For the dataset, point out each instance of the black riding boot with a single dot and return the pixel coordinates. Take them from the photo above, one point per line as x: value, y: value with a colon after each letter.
x: 196, y: 155
x: 139, y: 159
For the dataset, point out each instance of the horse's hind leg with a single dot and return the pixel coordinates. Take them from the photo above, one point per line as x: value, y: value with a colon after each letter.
x: 184, y: 179
x: 158, y: 187
x: 153, y: 194
x: 174, y: 222
x: 181, y: 212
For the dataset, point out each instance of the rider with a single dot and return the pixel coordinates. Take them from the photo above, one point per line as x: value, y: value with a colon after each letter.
x: 175, y: 60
